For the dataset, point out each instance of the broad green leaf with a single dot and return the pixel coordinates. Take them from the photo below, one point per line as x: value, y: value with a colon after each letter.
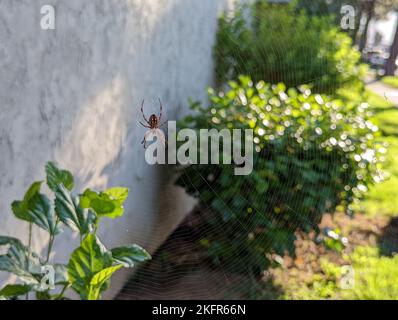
x: 33, y: 190
x: 15, y: 290
x: 36, y: 208
x: 99, y: 281
x: 17, y: 260
x: 19, y: 211
x: 10, y: 241
x: 129, y: 255
x: 69, y: 212
x: 106, y: 204
x: 20, y: 207
x: 85, y: 262
x: 43, y: 215
x: 101, y: 203
x: 56, y: 176
x: 118, y: 193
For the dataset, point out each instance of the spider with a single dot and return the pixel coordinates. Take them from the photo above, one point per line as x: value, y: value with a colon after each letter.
x: 153, y: 124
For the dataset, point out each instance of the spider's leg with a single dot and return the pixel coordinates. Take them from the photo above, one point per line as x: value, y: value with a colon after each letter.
x: 161, y: 110
x: 142, y: 111
x: 144, y: 142
x: 144, y: 125
x: 162, y: 124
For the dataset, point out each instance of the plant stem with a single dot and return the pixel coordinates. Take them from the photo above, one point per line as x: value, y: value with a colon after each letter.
x: 29, y: 250
x: 50, y: 246
x: 51, y: 241
x: 62, y: 292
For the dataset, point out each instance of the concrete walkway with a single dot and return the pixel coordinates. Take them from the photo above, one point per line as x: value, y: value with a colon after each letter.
x: 389, y: 93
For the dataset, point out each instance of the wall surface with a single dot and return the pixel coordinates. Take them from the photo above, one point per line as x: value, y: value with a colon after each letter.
x: 72, y: 95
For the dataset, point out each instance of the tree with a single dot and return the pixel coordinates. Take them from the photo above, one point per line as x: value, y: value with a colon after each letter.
x: 382, y: 10
x: 369, y: 11
x: 390, y: 64
x: 364, y: 10
x: 383, y: 7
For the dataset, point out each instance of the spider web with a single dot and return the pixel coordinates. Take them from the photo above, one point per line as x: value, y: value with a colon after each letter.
x: 180, y: 269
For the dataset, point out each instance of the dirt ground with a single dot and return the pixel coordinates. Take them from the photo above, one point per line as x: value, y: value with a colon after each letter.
x: 179, y: 269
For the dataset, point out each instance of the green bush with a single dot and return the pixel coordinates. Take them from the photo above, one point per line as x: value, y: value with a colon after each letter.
x: 91, y: 265
x: 312, y: 155
x: 283, y: 46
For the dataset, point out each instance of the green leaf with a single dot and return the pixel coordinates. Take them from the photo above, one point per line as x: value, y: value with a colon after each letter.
x: 36, y: 208
x: 56, y: 176
x: 86, y: 261
x: 43, y: 214
x: 119, y: 194
x: 101, y: 203
x: 15, y: 290
x: 99, y: 281
x: 69, y: 212
x: 106, y: 204
x: 129, y: 255
x: 17, y: 260
x: 20, y: 207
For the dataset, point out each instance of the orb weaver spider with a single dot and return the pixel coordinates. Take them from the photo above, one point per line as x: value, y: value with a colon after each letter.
x: 154, y: 125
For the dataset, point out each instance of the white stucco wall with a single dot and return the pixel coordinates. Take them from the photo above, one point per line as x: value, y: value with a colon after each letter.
x: 72, y: 95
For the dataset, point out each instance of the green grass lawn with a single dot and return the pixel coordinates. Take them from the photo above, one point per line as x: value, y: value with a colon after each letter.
x: 373, y: 277
x: 382, y: 198
x: 392, y: 81
x: 376, y: 102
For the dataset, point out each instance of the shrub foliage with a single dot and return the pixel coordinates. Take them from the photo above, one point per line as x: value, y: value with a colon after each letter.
x: 312, y: 154
x: 279, y: 45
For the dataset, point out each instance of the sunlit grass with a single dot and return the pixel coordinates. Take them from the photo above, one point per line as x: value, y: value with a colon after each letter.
x: 373, y: 277
x: 377, y: 102
x: 382, y: 198
x: 388, y: 122
x: 391, y: 81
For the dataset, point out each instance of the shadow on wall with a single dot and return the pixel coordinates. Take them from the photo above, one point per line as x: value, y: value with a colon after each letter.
x: 72, y: 95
